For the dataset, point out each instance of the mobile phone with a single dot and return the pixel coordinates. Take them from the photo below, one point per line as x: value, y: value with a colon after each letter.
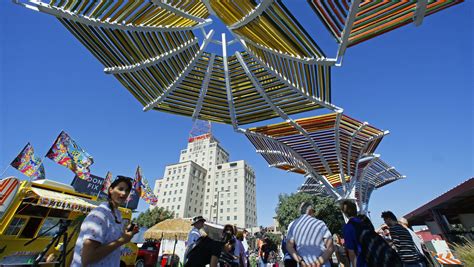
x: 131, y: 227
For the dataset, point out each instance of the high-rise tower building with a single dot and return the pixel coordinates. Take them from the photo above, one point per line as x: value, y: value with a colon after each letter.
x: 205, y: 183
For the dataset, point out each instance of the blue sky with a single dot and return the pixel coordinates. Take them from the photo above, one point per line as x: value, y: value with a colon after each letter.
x: 415, y: 82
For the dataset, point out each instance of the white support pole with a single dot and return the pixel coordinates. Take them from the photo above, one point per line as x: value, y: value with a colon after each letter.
x: 208, y: 6
x: 349, y: 150
x: 338, y: 151
x: 182, y: 75
x: 205, y: 86
x: 230, y: 99
x: 420, y: 12
x: 347, y: 31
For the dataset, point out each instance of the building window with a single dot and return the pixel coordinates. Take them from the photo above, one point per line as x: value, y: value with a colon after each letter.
x: 235, y: 186
x: 228, y: 218
x: 178, y: 207
x: 235, y: 201
x: 235, y: 218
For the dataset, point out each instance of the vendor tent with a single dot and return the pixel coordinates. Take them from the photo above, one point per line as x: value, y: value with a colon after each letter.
x: 170, y: 229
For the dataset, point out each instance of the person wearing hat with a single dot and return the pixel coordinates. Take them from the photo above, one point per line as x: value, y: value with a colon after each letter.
x: 194, y: 234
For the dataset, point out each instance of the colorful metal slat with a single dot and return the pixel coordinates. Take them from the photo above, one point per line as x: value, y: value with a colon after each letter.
x: 274, y: 27
x: 149, y: 46
x: 373, y: 18
x: 331, y: 144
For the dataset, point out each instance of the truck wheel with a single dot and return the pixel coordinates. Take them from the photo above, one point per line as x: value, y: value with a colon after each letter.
x: 140, y: 263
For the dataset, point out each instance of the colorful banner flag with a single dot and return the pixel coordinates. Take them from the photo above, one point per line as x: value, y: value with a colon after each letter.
x: 149, y: 196
x: 66, y: 152
x: 27, y: 163
x: 137, y: 183
x: 107, y: 182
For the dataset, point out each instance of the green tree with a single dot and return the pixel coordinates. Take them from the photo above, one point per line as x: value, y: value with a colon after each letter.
x: 325, y: 208
x: 151, y: 217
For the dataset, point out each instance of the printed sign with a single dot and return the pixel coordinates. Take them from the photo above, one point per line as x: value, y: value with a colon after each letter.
x: 93, y: 185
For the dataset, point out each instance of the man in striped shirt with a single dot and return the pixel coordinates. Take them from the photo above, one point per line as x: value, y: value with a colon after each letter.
x: 403, y: 242
x: 311, y: 238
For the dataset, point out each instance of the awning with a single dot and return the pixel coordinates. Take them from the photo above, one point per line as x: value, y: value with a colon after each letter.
x: 8, y: 188
x: 170, y: 229
x: 57, y: 200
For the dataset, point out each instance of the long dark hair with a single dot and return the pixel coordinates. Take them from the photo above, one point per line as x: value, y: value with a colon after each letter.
x: 117, y: 181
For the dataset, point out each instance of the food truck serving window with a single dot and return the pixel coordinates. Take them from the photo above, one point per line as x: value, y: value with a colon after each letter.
x: 31, y: 227
x: 15, y: 226
x: 50, y: 227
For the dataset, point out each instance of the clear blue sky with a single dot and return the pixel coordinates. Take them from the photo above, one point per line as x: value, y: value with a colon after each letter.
x: 415, y: 81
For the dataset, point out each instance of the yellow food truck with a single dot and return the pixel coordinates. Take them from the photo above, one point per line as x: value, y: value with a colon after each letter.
x: 32, y: 213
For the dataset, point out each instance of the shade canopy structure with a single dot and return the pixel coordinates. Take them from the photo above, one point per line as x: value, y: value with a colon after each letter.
x: 373, y: 173
x: 170, y: 229
x: 333, y: 151
x: 151, y: 47
x: 353, y: 22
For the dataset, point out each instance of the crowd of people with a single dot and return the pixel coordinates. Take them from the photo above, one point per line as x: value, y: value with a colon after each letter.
x: 310, y: 243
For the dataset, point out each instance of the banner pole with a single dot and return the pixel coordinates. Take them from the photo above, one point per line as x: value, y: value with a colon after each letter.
x: 5, y: 170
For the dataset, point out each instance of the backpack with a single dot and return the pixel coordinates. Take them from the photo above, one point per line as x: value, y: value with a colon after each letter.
x: 376, y: 251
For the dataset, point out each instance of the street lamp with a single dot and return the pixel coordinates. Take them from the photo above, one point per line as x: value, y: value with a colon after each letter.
x: 217, y: 212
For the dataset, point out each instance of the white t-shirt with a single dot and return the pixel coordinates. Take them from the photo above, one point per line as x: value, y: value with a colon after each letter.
x: 100, y: 226
x: 309, y: 235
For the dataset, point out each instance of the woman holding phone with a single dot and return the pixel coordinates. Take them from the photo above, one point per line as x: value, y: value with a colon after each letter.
x: 102, y: 232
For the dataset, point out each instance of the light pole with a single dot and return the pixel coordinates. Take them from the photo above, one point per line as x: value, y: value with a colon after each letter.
x: 217, y: 212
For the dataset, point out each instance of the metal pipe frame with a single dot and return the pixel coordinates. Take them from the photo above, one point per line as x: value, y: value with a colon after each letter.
x: 259, y: 9
x: 292, y: 87
x: 181, y: 77
x: 152, y: 61
x: 305, y: 60
x: 280, y: 112
x: 177, y: 11
x: 349, y: 150
x: 347, y: 31
x: 361, y: 154
x: 208, y: 6
x: 205, y: 86
x: 420, y: 12
x: 230, y: 99
x: 307, y: 167
x: 65, y: 14
x: 338, y: 150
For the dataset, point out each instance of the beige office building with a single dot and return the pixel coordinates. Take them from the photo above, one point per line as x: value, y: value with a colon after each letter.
x: 205, y: 183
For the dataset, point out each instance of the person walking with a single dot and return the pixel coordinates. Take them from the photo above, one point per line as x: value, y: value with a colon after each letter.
x: 340, y: 252
x: 195, y: 233
x: 206, y: 251
x: 311, y: 237
x: 102, y: 231
x: 403, y: 242
x: 351, y: 242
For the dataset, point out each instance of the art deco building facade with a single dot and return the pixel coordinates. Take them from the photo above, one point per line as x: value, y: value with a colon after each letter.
x: 205, y: 183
